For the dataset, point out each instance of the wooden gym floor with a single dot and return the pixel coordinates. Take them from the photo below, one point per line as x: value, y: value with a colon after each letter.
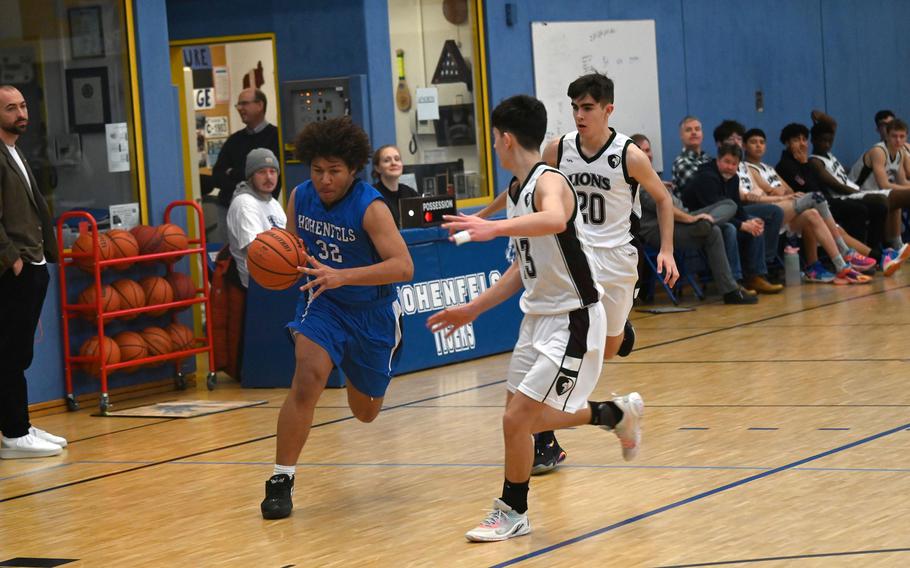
x: 775, y: 434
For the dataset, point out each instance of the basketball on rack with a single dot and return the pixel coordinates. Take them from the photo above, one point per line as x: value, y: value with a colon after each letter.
x: 124, y: 244
x: 181, y: 336
x: 132, y: 345
x: 131, y: 295
x: 183, y: 286
x: 84, y: 244
x: 148, y: 238
x: 110, y: 300
x: 90, y: 349
x: 273, y: 258
x: 172, y: 238
x: 157, y: 291
x: 158, y: 341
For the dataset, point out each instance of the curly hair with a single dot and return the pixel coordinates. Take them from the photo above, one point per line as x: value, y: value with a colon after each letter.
x: 334, y: 138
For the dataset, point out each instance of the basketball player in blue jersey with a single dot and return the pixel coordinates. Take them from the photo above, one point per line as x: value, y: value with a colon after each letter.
x: 558, y: 357
x: 607, y: 170
x: 348, y: 313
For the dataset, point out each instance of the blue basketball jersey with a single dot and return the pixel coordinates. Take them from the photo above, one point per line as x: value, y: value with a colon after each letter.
x: 336, y: 237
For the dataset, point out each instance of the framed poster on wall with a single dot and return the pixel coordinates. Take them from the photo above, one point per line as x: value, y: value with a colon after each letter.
x: 86, y: 32
x: 88, y: 99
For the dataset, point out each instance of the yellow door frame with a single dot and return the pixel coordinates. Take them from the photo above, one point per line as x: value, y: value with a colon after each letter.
x: 176, y: 48
x: 484, y: 146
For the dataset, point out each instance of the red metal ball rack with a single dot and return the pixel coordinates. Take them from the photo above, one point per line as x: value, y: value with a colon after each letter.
x: 68, y: 259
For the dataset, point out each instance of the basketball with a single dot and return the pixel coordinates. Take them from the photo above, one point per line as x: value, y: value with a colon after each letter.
x: 132, y: 345
x: 273, y: 258
x: 148, y: 238
x: 131, y: 295
x: 110, y: 300
x: 90, y: 348
x: 159, y: 341
x: 181, y: 336
x: 172, y: 238
x: 84, y: 244
x: 124, y: 245
x: 157, y: 291
x: 183, y: 286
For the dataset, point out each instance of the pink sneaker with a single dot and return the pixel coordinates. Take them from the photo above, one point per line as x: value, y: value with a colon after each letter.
x: 850, y: 276
x: 859, y: 262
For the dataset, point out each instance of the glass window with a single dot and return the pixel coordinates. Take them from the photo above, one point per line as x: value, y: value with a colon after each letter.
x: 441, y: 108
x: 69, y: 58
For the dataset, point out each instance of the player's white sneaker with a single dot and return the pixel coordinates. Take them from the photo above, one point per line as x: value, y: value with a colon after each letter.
x: 502, y: 523
x: 629, y: 428
x: 47, y: 436
x: 27, y: 446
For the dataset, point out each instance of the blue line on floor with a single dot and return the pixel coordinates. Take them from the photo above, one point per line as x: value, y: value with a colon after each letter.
x: 39, y: 470
x: 697, y: 497
x: 794, y: 557
x: 692, y: 428
x: 834, y: 429
x: 761, y: 428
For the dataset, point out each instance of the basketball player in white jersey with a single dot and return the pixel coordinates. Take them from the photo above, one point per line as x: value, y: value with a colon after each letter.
x: 558, y: 358
x: 606, y: 168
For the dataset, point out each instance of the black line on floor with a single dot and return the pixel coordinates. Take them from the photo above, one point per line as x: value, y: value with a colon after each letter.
x: 794, y: 557
x: 234, y: 445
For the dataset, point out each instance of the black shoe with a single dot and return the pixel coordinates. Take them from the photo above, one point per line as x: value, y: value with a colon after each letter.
x: 737, y: 297
x: 277, y: 503
x: 547, y: 456
x: 628, y: 340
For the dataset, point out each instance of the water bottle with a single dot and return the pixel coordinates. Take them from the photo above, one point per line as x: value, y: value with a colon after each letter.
x: 792, y: 276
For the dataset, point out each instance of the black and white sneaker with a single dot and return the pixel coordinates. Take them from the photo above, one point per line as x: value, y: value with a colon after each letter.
x: 547, y: 456
x: 277, y: 503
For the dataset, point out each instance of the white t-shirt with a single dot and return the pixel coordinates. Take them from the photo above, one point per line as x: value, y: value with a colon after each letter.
x: 28, y: 183
x: 247, y: 217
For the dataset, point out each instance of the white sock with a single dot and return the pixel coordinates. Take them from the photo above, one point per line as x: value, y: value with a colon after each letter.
x: 839, y: 263
x: 285, y: 469
x: 896, y: 243
x: 841, y: 244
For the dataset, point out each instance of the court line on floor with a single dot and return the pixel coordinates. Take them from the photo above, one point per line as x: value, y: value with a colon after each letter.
x: 236, y: 444
x: 697, y: 497
x: 771, y: 318
x: 793, y: 557
x: 765, y: 361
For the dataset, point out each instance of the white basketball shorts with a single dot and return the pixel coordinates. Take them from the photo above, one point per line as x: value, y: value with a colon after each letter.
x: 617, y: 271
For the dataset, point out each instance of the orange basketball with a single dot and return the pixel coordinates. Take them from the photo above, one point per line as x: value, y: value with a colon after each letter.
x: 132, y: 345
x: 172, y: 238
x: 183, y: 286
x: 131, y: 295
x: 181, y: 336
x: 273, y: 258
x: 84, y: 244
x: 90, y: 348
x: 159, y: 341
x: 110, y: 300
x: 157, y: 291
x: 148, y: 238
x: 124, y: 244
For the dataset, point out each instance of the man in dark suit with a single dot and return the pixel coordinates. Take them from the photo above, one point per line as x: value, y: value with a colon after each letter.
x: 27, y: 244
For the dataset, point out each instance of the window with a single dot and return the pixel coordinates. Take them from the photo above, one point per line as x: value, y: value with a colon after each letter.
x: 441, y: 114
x: 70, y: 61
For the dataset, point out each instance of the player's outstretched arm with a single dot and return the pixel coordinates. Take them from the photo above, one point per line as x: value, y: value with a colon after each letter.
x: 640, y: 168
x: 291, y: 211
x: 457, y: 316
x: 552, y: 199
x: 396, y: 264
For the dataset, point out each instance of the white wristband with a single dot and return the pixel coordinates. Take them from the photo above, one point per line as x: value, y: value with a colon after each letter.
x: 462, y: 237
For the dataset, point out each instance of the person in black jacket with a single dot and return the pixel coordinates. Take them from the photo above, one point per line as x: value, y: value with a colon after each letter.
x: 230, y: 168
x: 717, y: 180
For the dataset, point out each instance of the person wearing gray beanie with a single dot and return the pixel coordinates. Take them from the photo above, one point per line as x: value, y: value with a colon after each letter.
x: 259, y: 158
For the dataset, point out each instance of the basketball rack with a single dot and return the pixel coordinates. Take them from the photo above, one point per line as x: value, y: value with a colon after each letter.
x: 70, y: 310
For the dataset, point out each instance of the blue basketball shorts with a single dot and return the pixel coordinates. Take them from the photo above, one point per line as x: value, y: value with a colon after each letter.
x: 363, y: 343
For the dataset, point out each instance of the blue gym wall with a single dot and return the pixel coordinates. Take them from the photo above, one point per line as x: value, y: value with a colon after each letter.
x: 845, y: 56
x: 316, y: 38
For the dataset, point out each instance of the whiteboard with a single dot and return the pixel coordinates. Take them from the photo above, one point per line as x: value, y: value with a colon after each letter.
x: 626, y: 51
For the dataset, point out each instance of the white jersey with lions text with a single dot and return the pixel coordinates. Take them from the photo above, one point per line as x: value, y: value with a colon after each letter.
x: 607, y: 195
x: 555, y: 269
x: 863, y: 175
